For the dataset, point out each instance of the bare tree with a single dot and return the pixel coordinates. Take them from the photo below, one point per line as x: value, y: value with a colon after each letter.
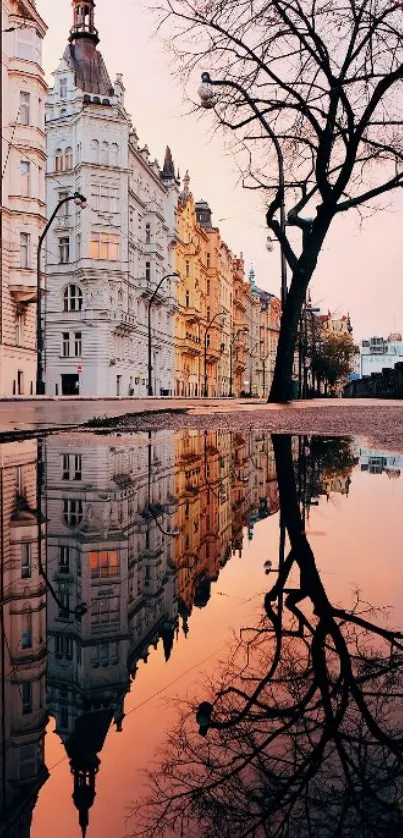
x: 303, y: 731
x: 315, y: 84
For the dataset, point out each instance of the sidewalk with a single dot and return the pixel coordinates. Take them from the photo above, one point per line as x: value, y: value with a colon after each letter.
x: 21, y: 415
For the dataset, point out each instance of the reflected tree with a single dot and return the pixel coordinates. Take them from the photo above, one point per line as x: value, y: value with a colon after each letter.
x: 302, y: 729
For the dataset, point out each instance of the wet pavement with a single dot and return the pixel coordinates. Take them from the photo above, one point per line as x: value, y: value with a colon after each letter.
x: 220, y: 608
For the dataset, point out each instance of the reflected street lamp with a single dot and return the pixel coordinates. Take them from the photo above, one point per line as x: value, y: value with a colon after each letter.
x: 80, y: 202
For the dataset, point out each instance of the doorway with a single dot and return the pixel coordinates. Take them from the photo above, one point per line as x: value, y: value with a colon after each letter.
x: 70, y: 385
x: 20, y: 383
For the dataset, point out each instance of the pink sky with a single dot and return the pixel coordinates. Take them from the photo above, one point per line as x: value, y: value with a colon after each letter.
x: 360, y: 270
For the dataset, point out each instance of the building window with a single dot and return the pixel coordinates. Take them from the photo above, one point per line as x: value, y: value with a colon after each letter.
x: 148, y: 271
x: 64, y: 603
x: 25, y: 172
x: 64, y: 560
x: 66, y: 345
x: 105, y: 246
x: 26, y: 634
x: 104, y: 611
x: 25, y: 241
x: 104, y: 153
x: 26, y: 695
x: 114, y: 159
x: 72, y: 467
x: 64, y: 209
x: 187, y: 299
x: 208, y: 314
x: 72, y: 512
x: 64, y: 649
x: 63, y: 88
x: 78, y: 247
x: 77, y: 344
x: 19, y: 329
x: 104, y: 564
x: 94, y: 151
x: 68, y: 158
x: 25, y: 108
x: 73, y: 298
x: 148, y: 233
x: 28, y: 759
x: 59, y: 159
x: 64, y: 250
x: 208, y: 259
x: 26, y: 561
x: 187, y: 267
x: 208, y: 288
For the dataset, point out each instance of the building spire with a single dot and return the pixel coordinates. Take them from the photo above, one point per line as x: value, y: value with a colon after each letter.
x: 83, y: 21
x: 168, y: 169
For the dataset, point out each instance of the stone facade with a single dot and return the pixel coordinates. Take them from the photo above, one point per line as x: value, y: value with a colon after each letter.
x: 105, y: 262
x: 23, y: 191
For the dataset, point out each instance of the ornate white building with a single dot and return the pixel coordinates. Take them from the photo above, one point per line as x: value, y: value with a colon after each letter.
x: 104, y: 262
x: 22, y: 197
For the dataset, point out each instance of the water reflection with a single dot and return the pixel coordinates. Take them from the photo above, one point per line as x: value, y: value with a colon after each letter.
x: 108, y: 544
x: 302, y: 734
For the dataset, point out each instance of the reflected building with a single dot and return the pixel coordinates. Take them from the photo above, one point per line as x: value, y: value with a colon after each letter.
x: 379, y: 462
x: 23, y: 640
x: 109, y: 507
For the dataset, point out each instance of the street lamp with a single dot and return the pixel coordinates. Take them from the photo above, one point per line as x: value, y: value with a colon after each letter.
x: 208, y: 101
x: 208, y: 327
x: 251, y: 353
x: 81, y: 202
x: 231, y: 352
x: 152, y: 298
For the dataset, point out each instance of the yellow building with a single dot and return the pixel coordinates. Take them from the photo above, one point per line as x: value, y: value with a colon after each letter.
x: 189, y: 318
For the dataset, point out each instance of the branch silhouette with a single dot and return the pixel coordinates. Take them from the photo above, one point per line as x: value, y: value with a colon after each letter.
x: 302, y: 728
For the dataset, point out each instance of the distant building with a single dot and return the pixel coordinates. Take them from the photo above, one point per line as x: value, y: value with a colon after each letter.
x: 23, y: 210
x: 377, y: 353
x: 379, y: 462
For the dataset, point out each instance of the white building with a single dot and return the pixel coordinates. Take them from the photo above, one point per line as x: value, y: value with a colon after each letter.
x: 110, y: 513
x: 377, y: 353
x: 104, y: 262
x: 23, y: 191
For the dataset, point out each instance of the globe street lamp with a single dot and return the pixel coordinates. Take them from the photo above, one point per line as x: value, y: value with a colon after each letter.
x: 81, y: 202
x: 231, y: 352
x: 207, y: 332
x: 152, y: 298
x: 208, y: 101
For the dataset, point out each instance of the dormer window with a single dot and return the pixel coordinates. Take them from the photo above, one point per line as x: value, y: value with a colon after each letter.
x: 63, y: 88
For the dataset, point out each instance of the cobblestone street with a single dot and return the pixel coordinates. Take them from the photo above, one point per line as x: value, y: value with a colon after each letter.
x: 378, y: 422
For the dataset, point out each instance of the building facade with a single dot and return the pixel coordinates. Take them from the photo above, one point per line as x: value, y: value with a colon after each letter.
x: 378, y: 353
x: 105, y: 262
x: 23, y: 191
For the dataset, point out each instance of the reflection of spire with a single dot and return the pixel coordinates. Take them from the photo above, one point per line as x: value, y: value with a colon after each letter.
x: 82, y: 747
x: 168, y: 635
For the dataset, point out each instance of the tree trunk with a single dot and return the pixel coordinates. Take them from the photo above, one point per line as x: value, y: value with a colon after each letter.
x: 281, y: 389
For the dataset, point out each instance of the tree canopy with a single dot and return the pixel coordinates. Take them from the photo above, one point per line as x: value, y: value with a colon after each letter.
x: 324, y: 78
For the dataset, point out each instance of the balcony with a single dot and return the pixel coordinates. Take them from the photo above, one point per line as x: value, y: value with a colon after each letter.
x: 124, y: 321
x: 189, y: 345
x: 22, y: 286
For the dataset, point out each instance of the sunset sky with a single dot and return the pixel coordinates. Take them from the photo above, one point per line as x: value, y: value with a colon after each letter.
x: 360, y: 268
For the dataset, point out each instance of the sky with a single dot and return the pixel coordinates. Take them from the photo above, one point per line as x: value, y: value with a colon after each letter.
x: 360, y: 269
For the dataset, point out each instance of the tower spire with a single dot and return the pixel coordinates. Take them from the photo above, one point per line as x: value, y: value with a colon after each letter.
x: 83, y: 21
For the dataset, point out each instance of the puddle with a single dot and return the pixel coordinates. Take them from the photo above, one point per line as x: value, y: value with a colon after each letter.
x: 221, y: 609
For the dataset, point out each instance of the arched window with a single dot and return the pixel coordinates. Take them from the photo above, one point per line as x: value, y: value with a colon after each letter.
x: 59, y: 160
x: 114, y: 161
x: 120, y: 298
x: 104, y: 153
x: 73, y: 298
x: 187, y: 299
x: 94, y: 151
x: 68, y: 158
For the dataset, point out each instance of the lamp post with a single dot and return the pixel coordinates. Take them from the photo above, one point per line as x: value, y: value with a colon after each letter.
x: 208, y: 101
x: 81, y: 202
x: 152, y: 298
x: 251, y: 353
x: 231, y: 352
x: 208, y: 327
